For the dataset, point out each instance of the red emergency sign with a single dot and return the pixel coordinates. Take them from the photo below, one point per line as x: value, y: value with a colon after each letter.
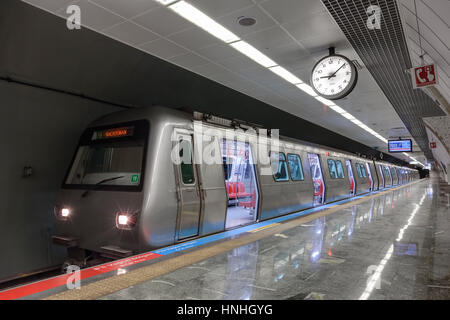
x: 424, y: 76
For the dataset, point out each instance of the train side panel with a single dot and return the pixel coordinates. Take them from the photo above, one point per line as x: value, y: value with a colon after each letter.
x: 212, y: 179
x: 160, y: 205
x: 362, y: 182
x: 336, y: 188
x: 283, y: 197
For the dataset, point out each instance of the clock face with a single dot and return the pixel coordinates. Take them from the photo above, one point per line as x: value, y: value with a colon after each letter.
x: 334, y: 77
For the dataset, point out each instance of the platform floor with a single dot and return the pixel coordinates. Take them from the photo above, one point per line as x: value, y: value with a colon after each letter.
x: 238, y: 216
x: 393, y: 246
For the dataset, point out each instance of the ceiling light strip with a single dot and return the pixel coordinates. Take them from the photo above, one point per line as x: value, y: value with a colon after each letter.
x: 307, y: 89
x: 414, y: 159
x: 253, y: 53
x: 286, y: 75
x: 191, y: 13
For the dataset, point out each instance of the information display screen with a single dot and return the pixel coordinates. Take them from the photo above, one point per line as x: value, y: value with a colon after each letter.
x: 400, y: 146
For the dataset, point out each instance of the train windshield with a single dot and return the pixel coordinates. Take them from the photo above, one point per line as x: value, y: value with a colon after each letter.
x: 109, y: 157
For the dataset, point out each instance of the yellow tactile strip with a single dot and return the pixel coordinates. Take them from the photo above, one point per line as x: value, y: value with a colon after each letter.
x: 113, y: 284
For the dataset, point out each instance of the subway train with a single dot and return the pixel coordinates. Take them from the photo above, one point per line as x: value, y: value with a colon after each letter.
x: 137, y: 181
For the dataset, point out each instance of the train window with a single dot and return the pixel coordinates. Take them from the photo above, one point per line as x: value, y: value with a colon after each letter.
x: 358, y: 169
x: 187, y: 169
x: 110, y: 157
x: 363, y: 171
x: 386, y: 172
x: 332, y: 169
x: 394, y: 174
x: 295, y: 167
x: 279, y: 166
x: 118, y: 163
x: 340, y: 169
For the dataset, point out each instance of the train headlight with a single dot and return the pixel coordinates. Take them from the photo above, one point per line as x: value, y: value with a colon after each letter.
x: 62, y: 213
x: 125, y: 221
x: 65, y: 212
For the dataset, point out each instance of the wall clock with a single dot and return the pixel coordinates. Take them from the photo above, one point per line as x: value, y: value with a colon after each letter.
x: 334, y: 76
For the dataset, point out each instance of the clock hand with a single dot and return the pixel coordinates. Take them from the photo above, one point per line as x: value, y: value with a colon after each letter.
x: 334, y: 74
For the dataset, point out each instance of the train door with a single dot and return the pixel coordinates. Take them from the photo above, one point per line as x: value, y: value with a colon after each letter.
x: 316, y: 174
x: 189, y: 199
x: 393, y: 176
x: 351, y: 177
x: 241, y: 183
x: 388, y: 177
x: 382, y: 177
x: 370, y: 176
x: 401, y: 176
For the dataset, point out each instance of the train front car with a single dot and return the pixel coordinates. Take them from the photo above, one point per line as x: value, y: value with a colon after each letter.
x: 100, y: 204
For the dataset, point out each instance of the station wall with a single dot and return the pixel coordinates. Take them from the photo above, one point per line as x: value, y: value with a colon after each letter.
x: 39, y: 128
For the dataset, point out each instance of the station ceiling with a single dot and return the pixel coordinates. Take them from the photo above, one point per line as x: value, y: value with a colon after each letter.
x: 294, y: 33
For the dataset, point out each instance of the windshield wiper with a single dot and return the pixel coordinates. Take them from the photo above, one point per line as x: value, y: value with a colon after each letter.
x: 84, y: 194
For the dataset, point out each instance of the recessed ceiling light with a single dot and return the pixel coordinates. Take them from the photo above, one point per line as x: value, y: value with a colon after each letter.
x: 246, y: 21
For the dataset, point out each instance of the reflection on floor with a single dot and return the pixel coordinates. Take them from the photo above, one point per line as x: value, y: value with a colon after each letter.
x: 237, y: 216
x: 394, y: 246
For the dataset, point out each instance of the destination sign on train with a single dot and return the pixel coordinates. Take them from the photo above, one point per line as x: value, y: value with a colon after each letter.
x: 113, y: 133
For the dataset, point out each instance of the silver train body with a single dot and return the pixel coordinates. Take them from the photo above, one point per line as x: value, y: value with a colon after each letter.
x: 147, y: 201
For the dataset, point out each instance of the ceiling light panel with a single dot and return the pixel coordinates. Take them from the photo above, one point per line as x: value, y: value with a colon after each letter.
x: 286, y: 75
x: 325, y: 101
x: 191, y: 13
x: 337, y: 109
x: 348, y: 116
x: 166, y: 2
x: 253, y: 53
x: 307, y: 89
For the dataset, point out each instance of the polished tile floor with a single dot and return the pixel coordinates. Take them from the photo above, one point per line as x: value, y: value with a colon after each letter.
x: 395, y: 246
x: 237, y: 216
